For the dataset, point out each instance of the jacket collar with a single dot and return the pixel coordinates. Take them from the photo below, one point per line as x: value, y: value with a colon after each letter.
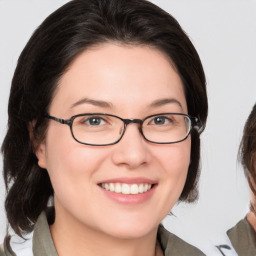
x: 243, y: 238
x: 42, y: 239
x: 170, y: 243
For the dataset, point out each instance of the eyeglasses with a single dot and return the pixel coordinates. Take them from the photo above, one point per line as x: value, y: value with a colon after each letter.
x: 99, y: 129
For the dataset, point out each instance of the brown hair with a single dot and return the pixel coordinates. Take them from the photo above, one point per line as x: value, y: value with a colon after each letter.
x: 248, y: 149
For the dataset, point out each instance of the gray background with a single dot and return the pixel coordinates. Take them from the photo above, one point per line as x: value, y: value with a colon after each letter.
x: 224, y: 33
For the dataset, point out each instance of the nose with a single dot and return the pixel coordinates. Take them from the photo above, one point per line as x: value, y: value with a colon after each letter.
x: 132, y: 150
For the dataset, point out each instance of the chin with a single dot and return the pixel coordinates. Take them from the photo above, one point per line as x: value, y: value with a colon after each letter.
x: 131, y: 230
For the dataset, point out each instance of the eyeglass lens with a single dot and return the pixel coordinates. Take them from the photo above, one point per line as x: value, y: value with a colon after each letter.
x: 105, y: 129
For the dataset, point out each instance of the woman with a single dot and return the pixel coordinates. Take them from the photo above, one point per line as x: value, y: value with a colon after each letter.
x: 129, y: 84
x: 243, y: 235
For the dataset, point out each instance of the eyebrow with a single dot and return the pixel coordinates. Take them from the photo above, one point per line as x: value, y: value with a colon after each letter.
x: 105, y: 104
x: 162, y: 102
x: 98, y: 103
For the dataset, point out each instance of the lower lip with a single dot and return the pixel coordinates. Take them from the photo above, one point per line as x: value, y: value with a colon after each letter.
x: 130, y: 199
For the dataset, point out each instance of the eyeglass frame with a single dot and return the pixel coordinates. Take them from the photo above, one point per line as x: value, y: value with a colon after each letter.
x: 195, y: 122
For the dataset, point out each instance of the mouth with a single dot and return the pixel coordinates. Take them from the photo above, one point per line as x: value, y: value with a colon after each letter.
x: 127, y: 189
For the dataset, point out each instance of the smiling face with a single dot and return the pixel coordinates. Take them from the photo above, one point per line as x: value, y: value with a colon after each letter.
x: 130, y: 82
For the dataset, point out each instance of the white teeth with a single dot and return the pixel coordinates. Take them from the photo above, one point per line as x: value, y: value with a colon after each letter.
x: 111, y: 187
x: 134, y: 189
x: 118, y: 188
x: 126, y: 189
x: 141, y: 188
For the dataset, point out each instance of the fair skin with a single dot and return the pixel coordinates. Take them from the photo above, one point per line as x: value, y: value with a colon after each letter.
x: 251, y: 216
x: 89, y: 221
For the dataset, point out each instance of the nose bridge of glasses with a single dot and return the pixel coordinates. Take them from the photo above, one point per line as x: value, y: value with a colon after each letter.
x: 132, y: 121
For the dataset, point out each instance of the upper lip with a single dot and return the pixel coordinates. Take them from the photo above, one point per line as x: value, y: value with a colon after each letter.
x: 129, y: 180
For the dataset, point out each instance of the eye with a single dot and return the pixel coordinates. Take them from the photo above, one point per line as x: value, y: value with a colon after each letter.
x: 160, y: 120
x: 94, y: 121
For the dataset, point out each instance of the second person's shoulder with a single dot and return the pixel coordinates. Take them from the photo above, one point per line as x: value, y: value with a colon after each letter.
x: 174, y: 246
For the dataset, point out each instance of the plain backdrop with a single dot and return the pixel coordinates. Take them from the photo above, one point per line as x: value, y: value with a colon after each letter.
x: 224, y: 33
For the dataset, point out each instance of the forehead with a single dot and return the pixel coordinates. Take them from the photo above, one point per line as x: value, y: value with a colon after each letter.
x: 119, y: 74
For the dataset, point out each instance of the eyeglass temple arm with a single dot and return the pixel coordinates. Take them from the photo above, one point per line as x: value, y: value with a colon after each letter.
x: 197, y: 122
x: 59, y: 120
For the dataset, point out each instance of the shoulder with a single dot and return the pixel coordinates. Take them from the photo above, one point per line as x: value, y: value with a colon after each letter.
x: 175, y: 246
x: 38, y: 242
x: 243, y: 238
x: 1, y: 251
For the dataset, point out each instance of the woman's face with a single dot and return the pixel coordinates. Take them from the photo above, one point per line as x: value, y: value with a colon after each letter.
x: 130, y: 82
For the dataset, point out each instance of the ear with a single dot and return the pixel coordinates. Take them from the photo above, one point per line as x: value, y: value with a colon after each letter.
x: 39, y: 148
x: 40, y: 152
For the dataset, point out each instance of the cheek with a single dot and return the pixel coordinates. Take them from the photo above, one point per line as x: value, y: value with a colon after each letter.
x: 175, y: 159
x: 70, y: 165
x: 173, y: 163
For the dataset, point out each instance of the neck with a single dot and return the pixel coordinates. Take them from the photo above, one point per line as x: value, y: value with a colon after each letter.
x: 251, y: 217
x: 74, y: 238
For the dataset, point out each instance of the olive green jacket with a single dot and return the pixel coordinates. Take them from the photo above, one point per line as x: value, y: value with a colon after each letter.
x: 43, y: 243
x: 243, y: 238
x: 1, y: 252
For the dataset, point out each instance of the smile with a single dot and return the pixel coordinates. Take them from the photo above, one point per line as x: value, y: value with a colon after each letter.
x: 126, y: 189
